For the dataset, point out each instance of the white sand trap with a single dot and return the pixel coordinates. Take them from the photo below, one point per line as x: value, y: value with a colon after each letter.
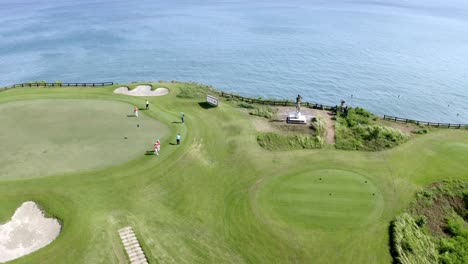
x: 142, y: 90
x: 27, y: 231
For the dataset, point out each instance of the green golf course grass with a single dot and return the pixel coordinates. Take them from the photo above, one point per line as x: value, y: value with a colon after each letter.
x: 216, y: 198
x: 43, y: 137
x: 328, y: 199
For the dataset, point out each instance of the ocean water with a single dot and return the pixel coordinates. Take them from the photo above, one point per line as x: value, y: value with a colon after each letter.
x: 395, y: 57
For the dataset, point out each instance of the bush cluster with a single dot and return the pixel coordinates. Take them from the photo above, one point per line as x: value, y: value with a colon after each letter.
x: 273, y: 141
x: 454, y: 250
x: 442, y: 205
x: 357, y: 131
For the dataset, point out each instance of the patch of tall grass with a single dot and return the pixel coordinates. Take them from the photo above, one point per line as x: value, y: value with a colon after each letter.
x: 320, y: 126
x: 410, y: 243
x: 263, y: 111
x: 434, y: 229
x: 277, y: 142
x: 194, y: 90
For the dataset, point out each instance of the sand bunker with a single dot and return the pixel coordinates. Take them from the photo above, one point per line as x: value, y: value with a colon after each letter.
x: 142, y: 90
x: 27, y: 231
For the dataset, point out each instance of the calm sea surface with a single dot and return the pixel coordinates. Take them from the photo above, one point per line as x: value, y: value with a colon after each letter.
x: 405, y: 58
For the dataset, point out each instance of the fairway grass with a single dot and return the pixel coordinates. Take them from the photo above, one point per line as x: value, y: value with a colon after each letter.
x: 219, y: 197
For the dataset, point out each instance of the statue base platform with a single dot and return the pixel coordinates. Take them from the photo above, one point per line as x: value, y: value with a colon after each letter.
x: 296, y: 118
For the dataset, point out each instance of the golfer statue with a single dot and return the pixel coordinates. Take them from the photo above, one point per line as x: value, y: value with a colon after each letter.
x: 298, y: 103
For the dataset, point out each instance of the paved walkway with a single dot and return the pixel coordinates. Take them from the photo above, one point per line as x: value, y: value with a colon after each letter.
x: 132, y: 246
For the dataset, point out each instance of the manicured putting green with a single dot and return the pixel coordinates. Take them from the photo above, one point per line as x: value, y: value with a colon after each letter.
x: 44, y: 137
x: 330, y: 199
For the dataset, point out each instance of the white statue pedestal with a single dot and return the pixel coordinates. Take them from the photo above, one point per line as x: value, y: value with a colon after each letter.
x: 296, y: 118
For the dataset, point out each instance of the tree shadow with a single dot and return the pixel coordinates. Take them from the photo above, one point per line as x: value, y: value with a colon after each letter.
x: 205, y: 105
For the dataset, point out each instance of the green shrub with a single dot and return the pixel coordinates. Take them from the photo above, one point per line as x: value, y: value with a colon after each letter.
x: 358, y: 116
x: 273, y: 141
x: 357, y: 131
x: 454, y: 250
x: 421, y: 220
x: 456, y: 226
x: 420, y: 131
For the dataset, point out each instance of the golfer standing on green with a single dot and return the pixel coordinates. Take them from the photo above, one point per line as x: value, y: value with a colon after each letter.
x: 178, y: 139
x: 147, y: 104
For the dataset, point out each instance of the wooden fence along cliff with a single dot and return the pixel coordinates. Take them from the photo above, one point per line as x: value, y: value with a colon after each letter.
x: 425, y: 123
x: 60, y: 84
x: 272, y: 102
x: 278, y: 102
x: 333, y: 108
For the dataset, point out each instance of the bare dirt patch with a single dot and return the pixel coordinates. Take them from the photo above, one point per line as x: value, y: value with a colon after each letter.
x: 142, y: 90
x: 278, y: 122
x: 26, y: 232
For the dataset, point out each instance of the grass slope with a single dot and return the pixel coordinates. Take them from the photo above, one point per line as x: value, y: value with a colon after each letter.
x: 201, y: 202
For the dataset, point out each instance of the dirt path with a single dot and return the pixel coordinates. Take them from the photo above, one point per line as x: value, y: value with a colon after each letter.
x: 326, y: 115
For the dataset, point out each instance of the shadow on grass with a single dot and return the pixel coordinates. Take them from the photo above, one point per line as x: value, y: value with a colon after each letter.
x: 149, y: 152
x: 173, y: 144
x: 391, y: 241
x: 177, y: 122
x: 131, y: 115
x: 205, y: 105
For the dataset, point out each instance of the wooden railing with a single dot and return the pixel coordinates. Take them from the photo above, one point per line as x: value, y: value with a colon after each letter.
x: 333, y: 108
x: 278, y: 102
x: 433, y: 124
x: 60, y: 84
x: 249, y: 100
